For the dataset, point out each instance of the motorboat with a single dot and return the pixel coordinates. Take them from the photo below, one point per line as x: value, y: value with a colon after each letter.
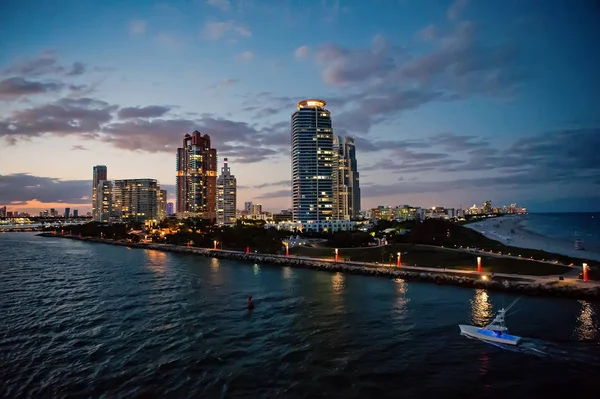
x: 496, y: 331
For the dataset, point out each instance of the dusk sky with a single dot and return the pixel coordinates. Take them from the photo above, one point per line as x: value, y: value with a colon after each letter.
x: 450, y: 102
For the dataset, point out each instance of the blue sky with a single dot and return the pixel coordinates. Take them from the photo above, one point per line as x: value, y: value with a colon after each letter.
x: 451, y: 102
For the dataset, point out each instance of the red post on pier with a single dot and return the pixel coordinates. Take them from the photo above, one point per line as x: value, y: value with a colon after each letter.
x: 287, y: 249
x: 399, y: 256
x: 585, y: 272
x: 215, y: 246
x: 479, y: 264
x: 248, y: 250
x: 336, y: 254
x: 188, y: 244
x: 79, y: 235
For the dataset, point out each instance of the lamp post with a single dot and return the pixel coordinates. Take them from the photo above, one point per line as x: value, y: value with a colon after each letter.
x: 585, y: 272
x: 215, y: 244
x: 287, y: 248
x: 336, y: 254
x: 399, y: 255
x: 479, y: 264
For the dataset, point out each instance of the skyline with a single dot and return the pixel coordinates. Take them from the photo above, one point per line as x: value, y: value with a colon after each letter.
x: 450, y: 103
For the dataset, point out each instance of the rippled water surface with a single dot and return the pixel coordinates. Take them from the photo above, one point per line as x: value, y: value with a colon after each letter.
x: 91, y: 320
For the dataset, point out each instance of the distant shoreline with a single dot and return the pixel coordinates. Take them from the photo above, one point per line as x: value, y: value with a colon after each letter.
x: 509, y: 230
x: 529, y: 285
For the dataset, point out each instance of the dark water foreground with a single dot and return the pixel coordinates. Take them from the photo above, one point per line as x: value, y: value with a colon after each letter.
x: 87, y: 320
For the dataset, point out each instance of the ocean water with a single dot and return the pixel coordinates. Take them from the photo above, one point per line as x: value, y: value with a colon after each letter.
x: 566, y: 226
x: 90, y: 320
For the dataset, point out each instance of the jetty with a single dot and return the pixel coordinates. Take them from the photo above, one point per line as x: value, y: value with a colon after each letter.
x: 554, y: 286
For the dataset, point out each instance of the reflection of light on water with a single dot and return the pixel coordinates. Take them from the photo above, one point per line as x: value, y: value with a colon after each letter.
x: 401, y: 299
x: 256, y: 269
x: 156, y: 261
x: 484, y: 363
x: 287, y: 272
x: 214, y: 264
x: 481, y: 308
x: 401, y: 286
x: 337, y: 281
x: 586, y: 324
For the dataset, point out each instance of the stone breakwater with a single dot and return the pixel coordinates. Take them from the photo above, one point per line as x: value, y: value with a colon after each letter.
x: 523, y: 286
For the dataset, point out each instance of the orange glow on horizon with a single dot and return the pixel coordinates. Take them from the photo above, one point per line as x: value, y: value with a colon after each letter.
x: 34, y: 207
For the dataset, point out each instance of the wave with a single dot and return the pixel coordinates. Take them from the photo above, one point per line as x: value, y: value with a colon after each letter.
x: 564, y: 350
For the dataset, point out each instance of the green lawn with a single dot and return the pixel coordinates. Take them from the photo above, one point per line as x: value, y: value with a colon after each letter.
x: 433, y: 257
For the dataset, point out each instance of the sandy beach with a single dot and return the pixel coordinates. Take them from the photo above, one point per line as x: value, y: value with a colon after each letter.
x: 509, y: 231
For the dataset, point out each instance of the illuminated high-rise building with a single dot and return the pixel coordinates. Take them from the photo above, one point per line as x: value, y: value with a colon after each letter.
x: 162, y: 204
x: 99, y: 174
x: 226, y: 196
x: 346, y: 185
x: 104, y: 201
x: 312, y: 163
x: 196, y: 177
x: 136, y: 200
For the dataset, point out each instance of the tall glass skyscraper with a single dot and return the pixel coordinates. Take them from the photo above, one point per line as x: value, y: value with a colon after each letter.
x: 346, y: 185
x: 100, y: 174
x: 312, y: 163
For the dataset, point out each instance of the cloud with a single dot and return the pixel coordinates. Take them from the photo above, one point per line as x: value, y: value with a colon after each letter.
x: 65, y: 116
x: 384, y: 80
x: 214, y: 30
x: 223, y: 83
x: 138, y: 27
x: 301, y: 52
x: 286, y: 183
x: 25, y: 187
x: 18, y: 86
x: 152, y: 111
x: 170, y: 41
x: 456, y: 8
x: 78, y: 148
x: 276, y: 194
x: 246, y: 56
x: 46, y: 64
x: 224, y: 5
x: 77, y: 69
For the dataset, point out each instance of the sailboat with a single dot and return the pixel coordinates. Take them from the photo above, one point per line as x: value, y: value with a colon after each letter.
x: 496, y: 331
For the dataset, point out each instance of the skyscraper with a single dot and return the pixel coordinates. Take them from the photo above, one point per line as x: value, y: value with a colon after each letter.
x: 99, y: 174
x: 196, y: 177
x: 170, y: 210
x: 104, y: 201
x: 226, y: 196
x: 312, y: 162
x: 162, y: 204
x: 136, y: 200
x: 67, y: 212
x: 346, y: 186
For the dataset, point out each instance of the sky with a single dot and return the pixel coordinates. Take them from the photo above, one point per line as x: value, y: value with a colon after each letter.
x: 450, y: 102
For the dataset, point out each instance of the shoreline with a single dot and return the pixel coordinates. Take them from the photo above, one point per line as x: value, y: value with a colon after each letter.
x: 523, y: 284
x: 511, y: 231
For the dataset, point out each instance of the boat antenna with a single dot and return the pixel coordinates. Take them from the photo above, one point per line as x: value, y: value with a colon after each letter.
x: 512, y: 304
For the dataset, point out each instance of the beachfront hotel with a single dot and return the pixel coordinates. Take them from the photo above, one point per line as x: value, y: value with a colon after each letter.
x: 196, y: 177
x: 312, y: 163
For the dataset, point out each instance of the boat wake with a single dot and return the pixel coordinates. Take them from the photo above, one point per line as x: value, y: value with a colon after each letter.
x: 568, y: 351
